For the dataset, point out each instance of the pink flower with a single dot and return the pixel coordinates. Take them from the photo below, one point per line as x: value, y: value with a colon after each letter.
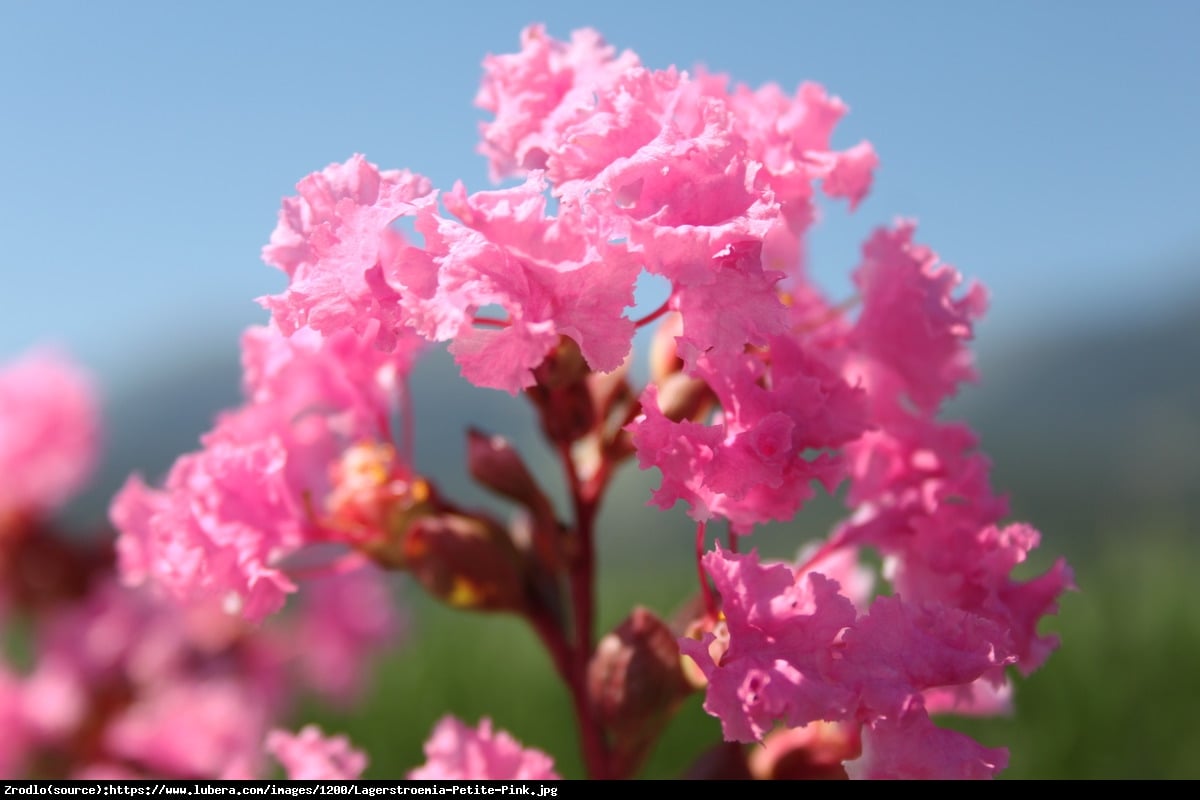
x: 778, y: 664
x: 342, y: 621
x: 332, y: 241
x: 225, y: 724
x: 913, y: 748
x: 790, y: 137
x: 49, y: 433
x: 602, y: 124
x: 456, y: 752
x: 762, y: 390
x: 311, y: 756
x: 551, y: 276
x: 925, y: 501
x: 793, y: 651
x: 218, y: 528
x: 539, y: 92
x: 650, y: 170
x: 230, y: 513
x: 778, y: 432
x: 911, y: 323
x: 117, y: 671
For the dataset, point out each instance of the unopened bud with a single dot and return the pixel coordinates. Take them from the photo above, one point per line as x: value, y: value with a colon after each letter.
x: 610, y: 390
x: 635, y: 683
x: 812, y: 753
x: 561, y: 394
x: 466, y: 562
x: 563, y: 365
x: 664, y: 360
x: 682, y: 397
x: 494, y: 462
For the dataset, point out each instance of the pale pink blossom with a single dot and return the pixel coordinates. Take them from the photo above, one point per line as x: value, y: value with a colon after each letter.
x: 49, y: 432
x: 230, y: 514
x: 457, y: 752
x: 311, y: 756
x: 333, y: 239
x: 341, y: 622
x: 551, y: 276
x: 539, y: 91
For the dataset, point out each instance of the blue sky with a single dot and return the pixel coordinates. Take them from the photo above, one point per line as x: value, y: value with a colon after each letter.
x: 1047, y: 149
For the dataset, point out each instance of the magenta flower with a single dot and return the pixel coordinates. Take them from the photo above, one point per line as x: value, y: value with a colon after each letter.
x: 911, y: 324
x: 778, y: 661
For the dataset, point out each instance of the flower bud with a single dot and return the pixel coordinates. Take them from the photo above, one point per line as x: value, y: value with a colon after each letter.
x: 466, y: 562
x: 635, y: 683
x: 561, y: 394
x: 681, y: 397
x: 610, y: 391
x: 563, y: 366
x: 495, y: 463
x: 664, y: 359
x: 813, y: 752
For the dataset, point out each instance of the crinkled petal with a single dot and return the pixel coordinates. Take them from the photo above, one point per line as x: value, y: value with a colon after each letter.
x: 779, y: 660
x: 913, y: 748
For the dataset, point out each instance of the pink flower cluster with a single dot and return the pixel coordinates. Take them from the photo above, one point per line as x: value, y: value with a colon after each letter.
x: 230, y: 514
x: 764, y: 390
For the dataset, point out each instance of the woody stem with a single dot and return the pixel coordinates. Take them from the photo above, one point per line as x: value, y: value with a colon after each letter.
x: 581, y: 577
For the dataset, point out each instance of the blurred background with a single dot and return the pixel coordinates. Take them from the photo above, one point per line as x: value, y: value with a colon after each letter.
x: 1047, y: 150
